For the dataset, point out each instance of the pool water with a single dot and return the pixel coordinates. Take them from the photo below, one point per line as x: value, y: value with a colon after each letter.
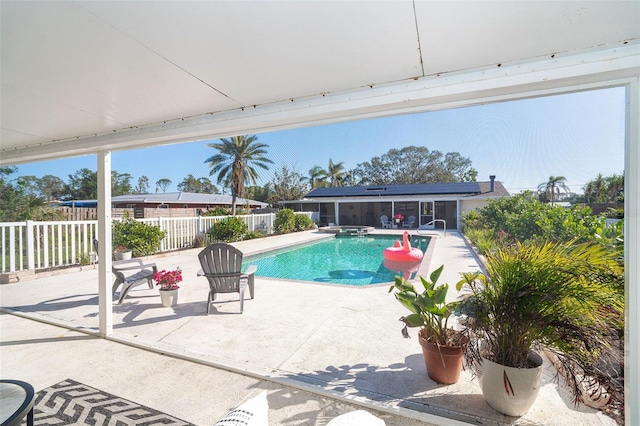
x: 355, y: 261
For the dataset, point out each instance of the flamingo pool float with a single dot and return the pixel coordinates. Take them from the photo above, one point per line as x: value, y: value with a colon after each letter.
x: 404, y: 252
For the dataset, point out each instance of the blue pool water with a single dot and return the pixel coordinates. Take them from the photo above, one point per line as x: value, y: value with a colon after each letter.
x: 347, y: 260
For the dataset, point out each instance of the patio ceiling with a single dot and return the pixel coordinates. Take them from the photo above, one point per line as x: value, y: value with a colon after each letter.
x: 78, y: 77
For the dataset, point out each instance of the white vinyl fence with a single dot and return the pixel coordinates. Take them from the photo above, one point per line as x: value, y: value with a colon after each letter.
x: 41, y: 245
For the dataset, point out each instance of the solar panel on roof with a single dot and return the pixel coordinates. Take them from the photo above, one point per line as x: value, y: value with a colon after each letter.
x: 389, y: 190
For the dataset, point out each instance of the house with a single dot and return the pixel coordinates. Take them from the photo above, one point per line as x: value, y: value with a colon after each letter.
x: 171, y: 204
x: 363, y: 205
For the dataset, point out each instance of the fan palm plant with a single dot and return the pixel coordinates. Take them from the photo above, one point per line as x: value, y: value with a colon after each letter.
x: 566, y: 298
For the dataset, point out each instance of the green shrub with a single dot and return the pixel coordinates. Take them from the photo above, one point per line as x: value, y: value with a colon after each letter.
x: 484, y: 240
x: 229, y: 229
x: 302, y: 222
x: 472, y: 220
x: 142, y: 239
x: 218, y: 211
x: 83, y: 259
x: 285, y: 221
x: 253, y: 235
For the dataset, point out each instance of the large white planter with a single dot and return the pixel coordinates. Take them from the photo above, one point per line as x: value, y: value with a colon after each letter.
x: 508, y: 390
x: 169, y: 297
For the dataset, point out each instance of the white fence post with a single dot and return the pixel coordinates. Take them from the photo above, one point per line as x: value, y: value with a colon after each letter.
x: 163, y: 245
x: 12, y: 249
x: 31, y: 261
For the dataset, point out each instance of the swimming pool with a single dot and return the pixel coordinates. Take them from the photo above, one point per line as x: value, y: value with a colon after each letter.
x: 355, y: 261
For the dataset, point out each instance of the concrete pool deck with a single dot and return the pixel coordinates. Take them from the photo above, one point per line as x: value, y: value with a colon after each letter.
x: 319, y: 350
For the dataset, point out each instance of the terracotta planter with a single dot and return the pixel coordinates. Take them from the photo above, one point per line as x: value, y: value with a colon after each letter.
x: 169, y: 297
x: 126, y: 255
x: 508, y: 390
x: 444, y: 363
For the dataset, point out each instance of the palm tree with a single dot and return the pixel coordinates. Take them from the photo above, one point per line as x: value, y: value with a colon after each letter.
x: 615, y: 187
x: 553, y: 186
x: 334, y: 173
x: 316, y: 176
x: 235, y: 163
x: 599, y: 187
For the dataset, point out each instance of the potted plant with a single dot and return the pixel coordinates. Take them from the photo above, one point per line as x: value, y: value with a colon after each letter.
x: 168, y: 282
x: 398, y: 218
x: 562, y: 297
x: 441, y: 345
x: 121, y: 253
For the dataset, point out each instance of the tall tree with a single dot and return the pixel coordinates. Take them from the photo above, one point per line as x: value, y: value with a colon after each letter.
x: 82, y: 185
x: 189, y: 184
x: 120, y: 183
x: 605, y: 189
x: 207, y: 187
x: 50, y: 187
x: 553, y: 186
x: 288, y: 185
x: 198, y: 185
x: 259, y: 193
x: 334, y: 173
x: 163, y: 184
x: 28, y: 184
x: 615, y: 188
x: 415, y: 164
x: 143, y: 185
x: 236, y: 162
x: 10, y: 196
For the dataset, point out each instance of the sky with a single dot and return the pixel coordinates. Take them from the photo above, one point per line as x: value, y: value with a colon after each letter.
x: 522, y: 143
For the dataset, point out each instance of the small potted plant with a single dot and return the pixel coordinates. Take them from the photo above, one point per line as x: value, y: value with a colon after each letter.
x: 442, y: 346
x: 168, y: 282
x: 398, y: 218
x: 121, y: 253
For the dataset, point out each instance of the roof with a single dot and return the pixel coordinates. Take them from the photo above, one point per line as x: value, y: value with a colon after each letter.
x: 167, y: 198
x: 183, y: 198
x: 462, y: 189
x: 200, y: 70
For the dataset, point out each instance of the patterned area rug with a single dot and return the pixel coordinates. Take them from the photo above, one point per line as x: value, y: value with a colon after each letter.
x: 72, y: 403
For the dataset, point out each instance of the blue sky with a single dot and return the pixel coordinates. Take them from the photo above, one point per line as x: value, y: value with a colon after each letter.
x: 521, y: 142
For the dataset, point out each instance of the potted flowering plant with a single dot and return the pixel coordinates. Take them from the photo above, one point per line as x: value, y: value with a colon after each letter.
x: 398, y: 218
x: 121, y: 253
x: 168, y: 282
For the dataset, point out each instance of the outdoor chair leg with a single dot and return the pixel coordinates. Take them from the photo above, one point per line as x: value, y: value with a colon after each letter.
x: 251, y: 286
x: 123, y: 293
x: 242, y: 288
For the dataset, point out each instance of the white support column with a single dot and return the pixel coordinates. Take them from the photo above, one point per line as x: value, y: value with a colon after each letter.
x: 632, y: 255
x: 336, y: 209
x: 105, y: 307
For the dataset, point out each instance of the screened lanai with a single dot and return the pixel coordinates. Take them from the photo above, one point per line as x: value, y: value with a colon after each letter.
x: 83, y: 78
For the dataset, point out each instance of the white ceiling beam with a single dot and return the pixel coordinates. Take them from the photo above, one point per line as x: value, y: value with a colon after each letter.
x: 516, y: 81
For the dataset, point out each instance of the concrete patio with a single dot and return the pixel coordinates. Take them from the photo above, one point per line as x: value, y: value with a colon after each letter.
x: 319, y: 350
